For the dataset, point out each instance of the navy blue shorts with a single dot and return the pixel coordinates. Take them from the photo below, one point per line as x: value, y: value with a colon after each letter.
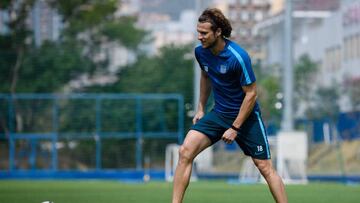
x: 251, y: 138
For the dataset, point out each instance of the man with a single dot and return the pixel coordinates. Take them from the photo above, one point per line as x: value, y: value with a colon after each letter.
x: 226, y: 70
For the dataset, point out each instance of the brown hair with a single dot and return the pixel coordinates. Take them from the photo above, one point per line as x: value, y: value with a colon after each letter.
x: 217, y: 20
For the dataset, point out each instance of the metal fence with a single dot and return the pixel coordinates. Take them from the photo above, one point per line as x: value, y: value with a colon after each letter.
x: 125, y: 136
x: 88, y: 131
x: 345, y: 127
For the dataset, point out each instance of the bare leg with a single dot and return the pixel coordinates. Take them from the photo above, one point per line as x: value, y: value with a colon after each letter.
x: 194, y: 143
x: 274, y: 181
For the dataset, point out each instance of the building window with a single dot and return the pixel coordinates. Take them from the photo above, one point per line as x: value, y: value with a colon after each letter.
x: 332, y: 60
x: 243, y: 32
x: 233, y: 15
x: 358, y: 45
x: 352, y: 47
x: 338, y: 57
x: 346, y: 49
x: 245, y: 16
x: 259, y: 2
x: 258, y: 16
x: 244, y: 2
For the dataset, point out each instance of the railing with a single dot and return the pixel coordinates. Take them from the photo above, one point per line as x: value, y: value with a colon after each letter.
x: 41, y: 120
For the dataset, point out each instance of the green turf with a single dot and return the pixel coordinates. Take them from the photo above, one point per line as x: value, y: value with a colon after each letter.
x: 159, y: 192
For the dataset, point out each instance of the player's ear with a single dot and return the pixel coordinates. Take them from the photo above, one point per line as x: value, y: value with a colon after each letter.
x: 218, y: 32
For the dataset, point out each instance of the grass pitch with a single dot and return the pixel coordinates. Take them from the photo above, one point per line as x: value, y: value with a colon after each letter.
x: 79, y: 191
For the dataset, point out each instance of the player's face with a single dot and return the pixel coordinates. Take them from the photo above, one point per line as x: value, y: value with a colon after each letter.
x: 206, y: 35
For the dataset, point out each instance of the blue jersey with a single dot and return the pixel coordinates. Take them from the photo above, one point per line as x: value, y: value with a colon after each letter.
x: 228, y: 72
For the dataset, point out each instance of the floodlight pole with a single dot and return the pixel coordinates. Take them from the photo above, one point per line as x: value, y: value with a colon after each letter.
x: 287, y: 118
x: 197, y: 71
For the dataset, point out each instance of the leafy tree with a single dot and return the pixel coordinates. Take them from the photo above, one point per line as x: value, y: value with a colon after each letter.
x: 268, y: 85
x: 90, y: 26
x: 354, y: 93
x: 325, y: 104
x: 13, y: 45
x: 268, y: 90
x: 321, y: 101
x: 304, y: 72
x: 169, y: 72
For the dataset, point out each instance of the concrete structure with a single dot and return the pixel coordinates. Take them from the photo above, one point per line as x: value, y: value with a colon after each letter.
x: 45, y: 22
x: 244, y: 14
x: 165, y: 31
x: 331, y: 38
x: 128, y: 7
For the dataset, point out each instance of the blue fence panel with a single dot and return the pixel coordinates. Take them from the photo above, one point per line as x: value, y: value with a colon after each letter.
x: 36, y: 123
x: 318, y: 132
x: 349, y: 125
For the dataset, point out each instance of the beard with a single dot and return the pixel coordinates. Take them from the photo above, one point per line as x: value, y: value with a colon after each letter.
x: 212, y: 44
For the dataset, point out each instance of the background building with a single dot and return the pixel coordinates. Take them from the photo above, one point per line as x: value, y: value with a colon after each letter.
x: 337, y: 54
x: 244, y: 14
x: 45, y: 22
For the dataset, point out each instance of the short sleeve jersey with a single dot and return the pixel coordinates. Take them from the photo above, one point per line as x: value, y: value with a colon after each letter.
x: 228, y: 72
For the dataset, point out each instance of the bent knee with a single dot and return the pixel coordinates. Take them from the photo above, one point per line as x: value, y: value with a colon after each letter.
x: 265, y: 167
x: 185, y: 154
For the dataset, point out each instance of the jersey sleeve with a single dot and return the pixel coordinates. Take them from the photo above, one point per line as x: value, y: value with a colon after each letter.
x: 246, y: 72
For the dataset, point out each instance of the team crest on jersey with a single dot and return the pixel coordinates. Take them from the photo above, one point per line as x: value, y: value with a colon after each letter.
x: 223, y: 69
x: 206, y: 68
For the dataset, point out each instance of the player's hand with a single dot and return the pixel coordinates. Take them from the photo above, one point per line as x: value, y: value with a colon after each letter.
x: 198, y: 116
x: 229, y: 136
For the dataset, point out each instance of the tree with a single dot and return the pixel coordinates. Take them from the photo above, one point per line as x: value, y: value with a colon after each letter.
x: 169, y: 72
x: 304, y: 72
x: 354, y: 93
x: 268, y: 85
x: 269, y: 88
x: 13, y: 45
x: 89, y: 27
x: 325, y: 104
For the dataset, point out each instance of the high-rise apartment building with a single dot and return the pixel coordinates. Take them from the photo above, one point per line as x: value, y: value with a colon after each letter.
x: 332, y: 41
x: 244, y: 14
x: 45, y: 22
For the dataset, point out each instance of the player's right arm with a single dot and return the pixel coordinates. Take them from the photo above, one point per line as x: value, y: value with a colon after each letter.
x: 205, y: 89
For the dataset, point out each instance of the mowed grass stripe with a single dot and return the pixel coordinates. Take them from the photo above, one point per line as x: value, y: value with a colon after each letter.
x: 80, y: 191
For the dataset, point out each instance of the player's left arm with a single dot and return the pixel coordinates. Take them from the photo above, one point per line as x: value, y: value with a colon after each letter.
x: 245, y: 110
